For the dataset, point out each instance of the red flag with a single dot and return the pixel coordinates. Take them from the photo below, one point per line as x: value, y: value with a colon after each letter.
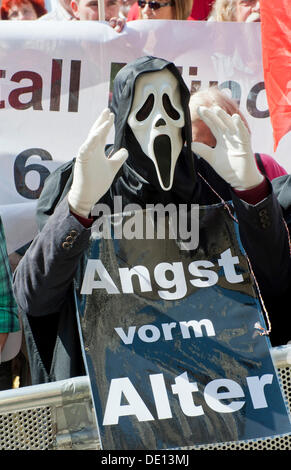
x: 276, y: 52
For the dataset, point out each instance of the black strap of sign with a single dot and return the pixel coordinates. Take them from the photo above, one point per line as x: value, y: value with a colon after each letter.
x: 260, y: 164
x: 263, y: 331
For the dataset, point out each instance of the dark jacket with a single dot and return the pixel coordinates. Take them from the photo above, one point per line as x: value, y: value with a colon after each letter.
x: 52, y: 267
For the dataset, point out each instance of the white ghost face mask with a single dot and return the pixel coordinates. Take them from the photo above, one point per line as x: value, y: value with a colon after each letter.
x: 156, y: 119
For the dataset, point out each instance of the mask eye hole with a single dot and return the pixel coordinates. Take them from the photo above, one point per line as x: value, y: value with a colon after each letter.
x: 146, y: 109
x: 170, y: 110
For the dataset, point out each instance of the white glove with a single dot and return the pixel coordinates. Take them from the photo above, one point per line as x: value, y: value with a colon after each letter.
x: 232, y: 157
x: 94, y: 172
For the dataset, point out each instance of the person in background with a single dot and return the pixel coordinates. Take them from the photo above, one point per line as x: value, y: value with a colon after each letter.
x: 247, y: 11
x: 200, y: 10
x: 88, y: 10
x: 22, y: 9
x: 10, y: 332
x: 212, y: 96
x: 61, y: 11
x: 162, y: 10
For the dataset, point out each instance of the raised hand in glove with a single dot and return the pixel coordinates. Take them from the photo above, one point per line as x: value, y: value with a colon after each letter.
x: 232, y: 157
x: 93, y: 171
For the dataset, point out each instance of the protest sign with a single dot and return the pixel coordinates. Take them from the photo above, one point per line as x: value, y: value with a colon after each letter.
x: 171, y: 336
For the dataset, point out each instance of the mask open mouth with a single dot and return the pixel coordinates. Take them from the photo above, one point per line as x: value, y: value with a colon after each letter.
x: 163, y: 152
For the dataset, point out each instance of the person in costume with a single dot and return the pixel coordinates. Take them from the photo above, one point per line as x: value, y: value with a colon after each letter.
x: 150, y: 161
x: 160, y: 10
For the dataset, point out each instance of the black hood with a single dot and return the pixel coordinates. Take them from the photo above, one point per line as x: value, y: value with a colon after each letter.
x: 137, y: 182
x: 139, y: 176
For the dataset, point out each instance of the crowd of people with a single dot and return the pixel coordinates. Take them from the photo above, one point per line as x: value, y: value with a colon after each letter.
x: 117, y: 13
x: 129, y: 10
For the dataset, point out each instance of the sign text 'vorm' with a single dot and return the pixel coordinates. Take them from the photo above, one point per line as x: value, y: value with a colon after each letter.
x: 151, y: 333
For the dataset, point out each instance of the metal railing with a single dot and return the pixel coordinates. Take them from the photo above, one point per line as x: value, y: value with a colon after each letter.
x: 59, y: 415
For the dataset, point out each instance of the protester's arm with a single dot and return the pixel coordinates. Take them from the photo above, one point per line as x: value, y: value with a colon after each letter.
x: 45, y: 274
x: 261, y: 224
x: 232, y: 158
x: 264, y: 236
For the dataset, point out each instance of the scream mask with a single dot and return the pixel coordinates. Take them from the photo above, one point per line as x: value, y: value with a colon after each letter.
x: 156, y: 119
x: 150, y: 101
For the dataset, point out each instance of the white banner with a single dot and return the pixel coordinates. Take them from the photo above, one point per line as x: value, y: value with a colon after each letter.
x: 55, y: 81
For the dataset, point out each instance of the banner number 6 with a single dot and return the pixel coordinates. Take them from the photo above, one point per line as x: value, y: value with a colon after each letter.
x: 21, y: 170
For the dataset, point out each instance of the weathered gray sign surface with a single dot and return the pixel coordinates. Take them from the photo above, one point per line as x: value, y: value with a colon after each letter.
x: 171, y: 344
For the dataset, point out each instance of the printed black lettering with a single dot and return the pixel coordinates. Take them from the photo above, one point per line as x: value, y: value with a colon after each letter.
x: 56, y: 81
x: 252, y: 102
x: 2, y: 75
x: 35, y: 89
x: 74, y: 87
